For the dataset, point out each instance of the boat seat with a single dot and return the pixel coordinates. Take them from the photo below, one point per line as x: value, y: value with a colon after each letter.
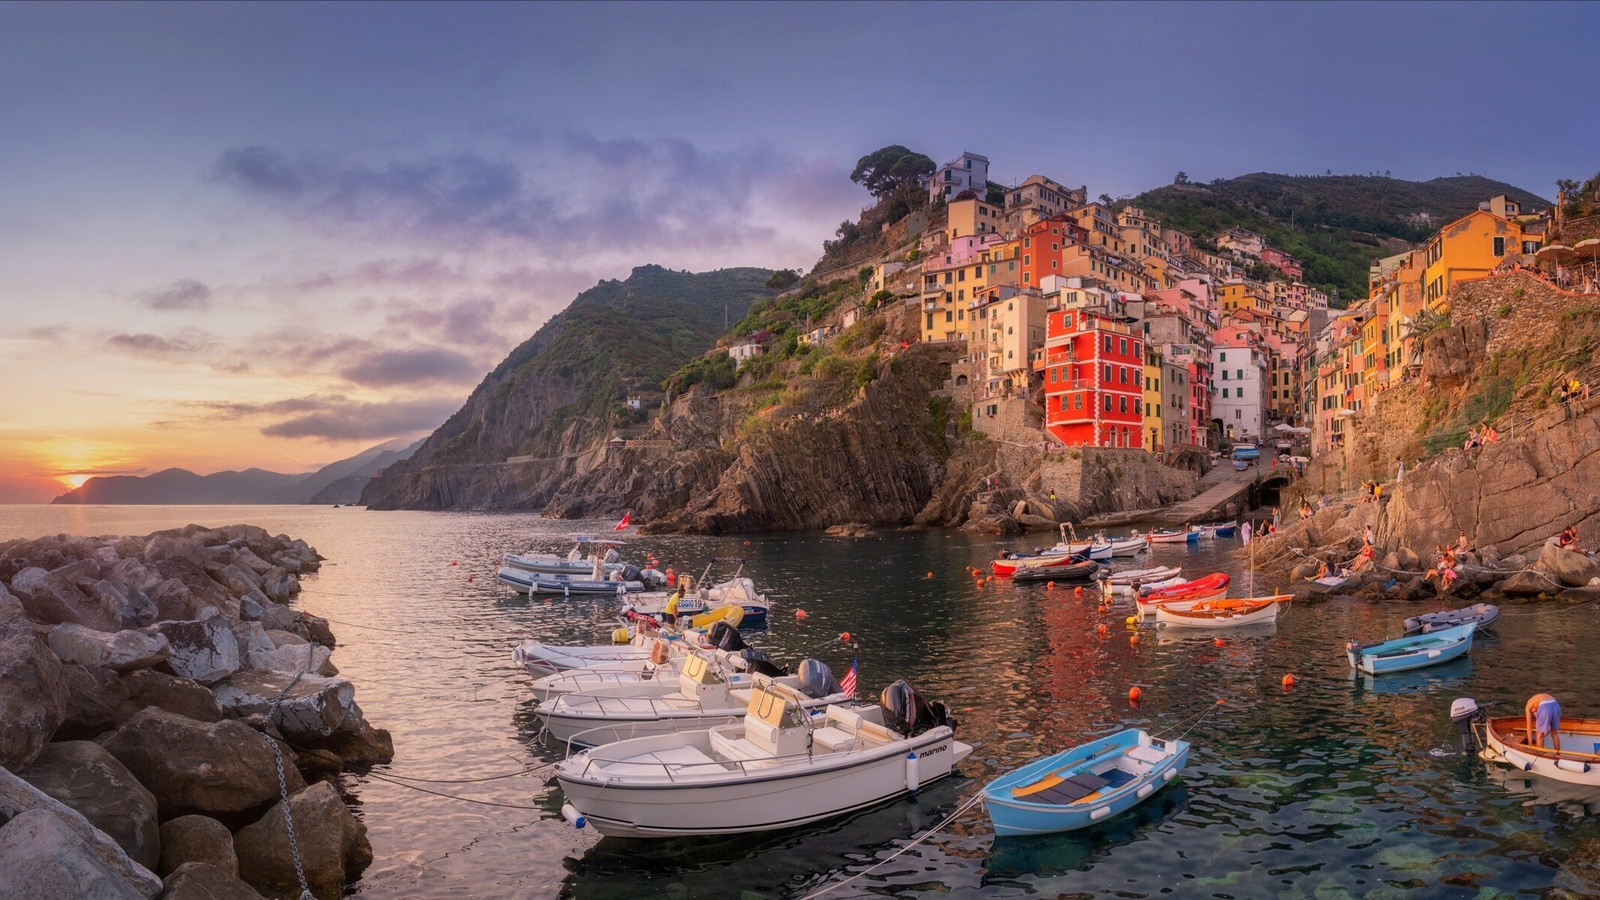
x: 1062, y: 790
x: 1146, y: 754
x: 736, y: 748
x: 833, y: 739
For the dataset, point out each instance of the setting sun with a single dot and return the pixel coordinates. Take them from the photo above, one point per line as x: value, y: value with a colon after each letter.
x: 73, y: 482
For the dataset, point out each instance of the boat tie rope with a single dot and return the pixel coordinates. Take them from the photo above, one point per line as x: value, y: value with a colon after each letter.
x: 965, y: 805
x: 283, y: 785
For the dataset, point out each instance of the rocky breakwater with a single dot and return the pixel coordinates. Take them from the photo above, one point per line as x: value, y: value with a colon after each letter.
x: 159, y: 698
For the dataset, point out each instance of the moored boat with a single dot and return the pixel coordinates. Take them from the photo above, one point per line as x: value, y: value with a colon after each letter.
x: 1132, y: 545
x: 1079, y: 572
x: 1173, y: 537
x: 1226, y: 529
x: 1137, y: 577
x: 1006, y: 567
x: 1228, y: 613
x: 586, y: 549
x: 1085, y: 785
x: 1505, y: 740
x: 1483, y: 615
x: 1411, y: 652
x: 774, y: 768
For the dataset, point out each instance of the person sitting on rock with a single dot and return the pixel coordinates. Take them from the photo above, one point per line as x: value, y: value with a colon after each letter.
x: 1569, y: 540
x: 1364, y: 559
x: 1542, y: 716
x: 1322, y: 571
x: 1461, y: 542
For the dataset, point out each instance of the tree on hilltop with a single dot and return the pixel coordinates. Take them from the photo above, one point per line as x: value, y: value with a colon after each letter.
x: 892, y: 169
x: 783, y: 279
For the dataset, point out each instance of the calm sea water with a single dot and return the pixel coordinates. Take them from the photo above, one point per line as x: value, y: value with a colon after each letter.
x: 1340, y: 786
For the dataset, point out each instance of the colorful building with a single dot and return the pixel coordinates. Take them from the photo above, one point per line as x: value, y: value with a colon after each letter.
x: 967, y: 172
x: 972, y: 216
x: 1093, y: 367
x: 1469, y: 247
x: 1239, y: 357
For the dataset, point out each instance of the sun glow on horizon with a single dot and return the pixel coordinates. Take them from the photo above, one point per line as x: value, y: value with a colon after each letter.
x: 73, y: 482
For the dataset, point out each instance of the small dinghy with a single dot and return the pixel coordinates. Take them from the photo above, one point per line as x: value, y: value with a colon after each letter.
x: 1129, y: 546
x: 1482, y: 615
x: 1174, y: 537
x: 1222, y: 613
x: 1136, y: 577
x: 1412, y: 652
x: 1085, y: 785
x: 1225, y: 529
x: 1505, y: 739
x: 1079, y: 572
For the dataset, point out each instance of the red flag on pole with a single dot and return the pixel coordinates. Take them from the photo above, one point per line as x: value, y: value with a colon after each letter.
x: 624, y: 523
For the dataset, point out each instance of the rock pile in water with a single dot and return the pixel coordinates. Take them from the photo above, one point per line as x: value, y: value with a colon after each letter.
x: 145, y: 683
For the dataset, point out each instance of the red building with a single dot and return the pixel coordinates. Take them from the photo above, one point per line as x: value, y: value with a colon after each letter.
x: 1093, y: 365
x: 1283, y: 262
x: 1041, y: 247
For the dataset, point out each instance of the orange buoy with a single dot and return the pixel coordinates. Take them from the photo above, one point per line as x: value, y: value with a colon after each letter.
x: 1077, y: 591
x: 1219, y: 642
x: 1133, y: 694
x: 1134, y: 640
x: 845, y: 637
x: 1288, y: 681
x: 1103, y: 629
x: 799, y: 614
x: 930, y: 574
x: 1049, y: 585
x: 747, y: 543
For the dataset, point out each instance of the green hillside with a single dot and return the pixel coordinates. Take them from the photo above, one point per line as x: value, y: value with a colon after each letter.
x: 1336, y: 224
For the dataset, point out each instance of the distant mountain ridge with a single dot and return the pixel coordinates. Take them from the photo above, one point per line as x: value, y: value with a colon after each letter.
x: 249, y: 486
x: 1335, y: 224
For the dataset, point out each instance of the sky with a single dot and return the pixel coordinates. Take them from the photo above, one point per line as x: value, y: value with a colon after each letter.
x: 273, y: 235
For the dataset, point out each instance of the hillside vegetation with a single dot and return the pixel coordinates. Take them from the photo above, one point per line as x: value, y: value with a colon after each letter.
x: 1336, y: 224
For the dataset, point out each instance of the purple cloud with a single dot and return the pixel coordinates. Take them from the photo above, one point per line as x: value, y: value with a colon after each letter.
x: 185, y: 293
x: 415, y: 365
x: 145, y: 344
x: 346, y: 420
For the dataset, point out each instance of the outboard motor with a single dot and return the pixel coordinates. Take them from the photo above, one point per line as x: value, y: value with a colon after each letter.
x: 907, y: 713
x: 816, y: 679
x: 726, y: 637
x: 757, y: 662
x: 631, y: 573
x: 1465, y: 715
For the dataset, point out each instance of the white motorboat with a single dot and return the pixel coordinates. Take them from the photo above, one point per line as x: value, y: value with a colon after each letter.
x: 540, y: 659
x: 646, y: 657
x: 596, y: 581
x: 1144, y: 577
x: 1133, y: 545
x: 586, y: 548
x: 777, y: 767
x: 701, y: 595
x: 700, y: 697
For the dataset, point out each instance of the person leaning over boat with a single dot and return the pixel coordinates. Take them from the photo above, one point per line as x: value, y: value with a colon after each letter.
x: 669, y: 613
x: 1543, y: 715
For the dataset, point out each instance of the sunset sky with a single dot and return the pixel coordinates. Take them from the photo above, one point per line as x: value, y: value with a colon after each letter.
x: 238, y: 235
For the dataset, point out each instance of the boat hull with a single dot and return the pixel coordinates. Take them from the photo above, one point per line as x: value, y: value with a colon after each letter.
x: 525, y: 582
x: 737, y: 801
x: 1483, y: 615
x: 1213, y: 614
x: 1012, y: 815
x: 1416, y: 652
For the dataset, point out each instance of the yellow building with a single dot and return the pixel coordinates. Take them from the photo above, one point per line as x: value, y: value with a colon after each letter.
x: 1245, y: 295
x: 1469, y: 247
x: 1153, y: 427
x: 972, y: 216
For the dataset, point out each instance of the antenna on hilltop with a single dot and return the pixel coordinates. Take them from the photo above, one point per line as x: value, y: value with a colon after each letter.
x: 724, y: 317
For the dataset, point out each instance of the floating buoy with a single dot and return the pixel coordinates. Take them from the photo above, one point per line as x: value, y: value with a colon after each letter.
x: 573, y: 817
x: 1077, y: 591
x: 1219, y: 642
x: 845, y: 637
x: 455, y: 562
x: 1288, y: 681
x: 1134, y: 694
x: 930, y: 574
x: 747, y: 543
x: 1103, y: 630
x: 469, y: 577
x: 1049, y: 585
x: 1131, y: 620
x: 1134, y: 640
x: 799, y: 614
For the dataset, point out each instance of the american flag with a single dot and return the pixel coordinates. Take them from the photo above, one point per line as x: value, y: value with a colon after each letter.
x: 848, y: 684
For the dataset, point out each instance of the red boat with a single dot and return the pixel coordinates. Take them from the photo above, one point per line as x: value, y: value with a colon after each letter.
x: 1209, y: 587
x: 1005, y: 568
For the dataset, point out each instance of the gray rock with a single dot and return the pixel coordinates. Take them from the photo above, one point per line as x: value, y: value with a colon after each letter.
x: 133, y: 605
x: 315, y: 707
x: 18, y: 796
x: 238, y: 581
x: 132, y: 573
x: 251, y: 637
x: 313, y: 628
x: 93, y: 696
x: 179, y: 696
x: 12, y: 612
x: 53, y: 598
x: 197, y: 839
x: 1527, y: 584
x: 247, y: 559
x: 164, y: 546
x: 44, y: 858
x: 84, y: 776
x: 357, y: 741
x: 285, y: 638
x: 121, y: 651
x: 313, y: 658
x: 202, y: 881
x: 173, y: 600
x: 1571, y: 569
x: 223, y: 769
x: 333, y: 845
x: 203, y: 649
x: 203, y: 589
x: 33, y: 697
x: 276, y: 617
x: 279, y: 585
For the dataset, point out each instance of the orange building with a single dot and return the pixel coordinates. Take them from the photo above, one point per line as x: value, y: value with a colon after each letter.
x: 1093, y: 365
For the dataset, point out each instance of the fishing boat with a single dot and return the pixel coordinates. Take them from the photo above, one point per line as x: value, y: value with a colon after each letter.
x: 1052, y: 559
x: 1230, y: 613
x: 1174, y: 537
x: 1085, y: 785
x: 774, y: 768
x: 1225, y: 529
x: 701, y: 696
x: 1206, y: 532
x: 627, y: 580
x: 589, y: 669
x: 1505, y: 739
x: 1137, y: 577
x: 1133, y: 545
x: 1209, y: 587
x: 540, y: 659
x: 1483, y: 615
x: 736, y: 589
x: 1412, y: 652
x: 1080, y: 572
x: 580, y: 560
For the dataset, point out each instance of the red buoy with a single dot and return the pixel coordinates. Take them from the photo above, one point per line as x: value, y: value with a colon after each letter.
x: 1133, y: 694
x: 1288, y: 681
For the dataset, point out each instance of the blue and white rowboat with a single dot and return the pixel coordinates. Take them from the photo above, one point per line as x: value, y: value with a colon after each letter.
x: 1085, y: 785
x: 1413, y: 652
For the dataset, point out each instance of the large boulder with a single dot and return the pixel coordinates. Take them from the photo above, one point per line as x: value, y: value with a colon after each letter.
x: 307, y: 657
x: 197, y: 839
x: 358, y: 742
x: 313, y: 628
x: 237, y: 580
x: 18, y: 797
x: 1570, y: 568
x: 224, y: 769
x: 279, y: 585
x: 247, y: 558
x: 42, y: 857
x: 53, y: 597
x: 133, y: 605
x: 121, y: 651
x: 203, y: 589
x: 203, y: 881
x: 93, y: 698
x: 33, y: 696
x: 84, y: 776
x: 204, y: 649
x: 173, y: 600
x: 180, y: 696
x: 314, y: 708
x: 333, y: 845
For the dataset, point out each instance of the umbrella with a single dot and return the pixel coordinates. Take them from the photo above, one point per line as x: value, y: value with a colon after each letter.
x: 1345, y: 413
x: 1589, y: 248
x: 1556, y: 253
x: 1283, y: 426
